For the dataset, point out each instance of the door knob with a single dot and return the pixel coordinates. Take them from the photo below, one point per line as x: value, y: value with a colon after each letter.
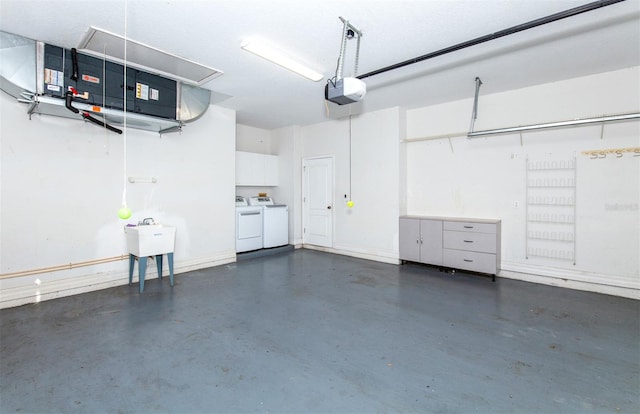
x: 328, y: 207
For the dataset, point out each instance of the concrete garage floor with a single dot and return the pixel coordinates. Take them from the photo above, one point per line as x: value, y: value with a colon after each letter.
x: 306, y: 331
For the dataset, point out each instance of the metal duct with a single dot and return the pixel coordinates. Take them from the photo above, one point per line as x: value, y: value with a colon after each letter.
x: 17, y: 65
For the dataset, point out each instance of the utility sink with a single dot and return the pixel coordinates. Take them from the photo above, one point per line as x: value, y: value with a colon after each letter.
x: 150, y: 240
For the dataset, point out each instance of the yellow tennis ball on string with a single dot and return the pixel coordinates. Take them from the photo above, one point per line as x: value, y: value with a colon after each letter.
x: 349, y: 203
x: 124, y: 212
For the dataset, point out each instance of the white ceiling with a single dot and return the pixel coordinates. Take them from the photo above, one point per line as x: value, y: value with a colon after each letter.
x: 267, y: 96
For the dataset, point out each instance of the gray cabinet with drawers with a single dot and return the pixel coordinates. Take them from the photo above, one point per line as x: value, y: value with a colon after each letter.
x: 458, y: 243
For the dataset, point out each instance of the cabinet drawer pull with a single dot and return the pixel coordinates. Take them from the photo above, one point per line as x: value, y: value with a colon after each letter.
x: 468, y: 260
x: 468, y: 241
x: 468, y: 227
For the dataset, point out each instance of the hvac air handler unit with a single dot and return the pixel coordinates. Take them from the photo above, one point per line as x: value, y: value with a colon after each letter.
x: 68, y: 83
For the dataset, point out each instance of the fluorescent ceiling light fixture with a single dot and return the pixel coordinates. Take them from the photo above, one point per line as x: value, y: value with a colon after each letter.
x: 100, y: 43
x: 258, y: 48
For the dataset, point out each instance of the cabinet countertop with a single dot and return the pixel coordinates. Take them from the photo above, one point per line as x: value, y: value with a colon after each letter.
x: 461, y: 219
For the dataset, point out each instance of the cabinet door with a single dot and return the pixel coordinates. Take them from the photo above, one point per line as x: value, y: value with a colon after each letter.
x: 410, y: 239
x: 271, y: 170
x: 431, y: 241
x: 249, y: 169
x: 243, y: 168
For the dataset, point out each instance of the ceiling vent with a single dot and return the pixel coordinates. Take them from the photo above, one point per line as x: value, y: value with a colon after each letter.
x: 100, y: 43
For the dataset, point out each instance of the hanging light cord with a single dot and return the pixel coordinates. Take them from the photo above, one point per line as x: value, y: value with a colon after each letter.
x: 104, y: 77
x: 124, y: 136
x: 350, y: 155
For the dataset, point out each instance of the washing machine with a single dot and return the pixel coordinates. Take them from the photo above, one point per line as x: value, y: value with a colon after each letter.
x: 275, y: 219
x: 248, y: 226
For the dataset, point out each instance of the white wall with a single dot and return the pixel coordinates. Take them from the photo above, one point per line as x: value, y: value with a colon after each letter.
x: 487, y: 177
x: 286, y: 143
x: 61, y: 188
x: 370, y: 228
x: 251, y: 139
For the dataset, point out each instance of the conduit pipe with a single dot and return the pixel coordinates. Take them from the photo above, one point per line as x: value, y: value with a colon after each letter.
x: 509, y: 31
x: 560, y: 124
x: 63, y: 267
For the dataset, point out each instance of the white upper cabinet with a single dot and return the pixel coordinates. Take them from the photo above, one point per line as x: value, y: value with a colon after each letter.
x: 256, y: 170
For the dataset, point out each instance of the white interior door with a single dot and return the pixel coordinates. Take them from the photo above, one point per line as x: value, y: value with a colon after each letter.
x: 317, y: 201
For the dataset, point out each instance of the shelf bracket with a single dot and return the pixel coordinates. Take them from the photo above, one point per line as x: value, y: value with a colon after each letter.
x: 474, y: 113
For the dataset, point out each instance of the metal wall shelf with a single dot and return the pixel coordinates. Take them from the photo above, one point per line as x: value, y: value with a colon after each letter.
x: 551, y: 210
x: 569, y: 223
x: 553, y: 204
x: 550, y: 239
x: 551, y: 186
x: 550, y: 169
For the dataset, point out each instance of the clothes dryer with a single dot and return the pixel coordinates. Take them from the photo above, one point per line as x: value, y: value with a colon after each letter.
x: 275, y: 218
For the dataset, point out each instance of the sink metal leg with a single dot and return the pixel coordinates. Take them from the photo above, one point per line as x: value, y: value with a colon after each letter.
x: 159, y: 264
x: 132, y: 262
x: 142, y: 270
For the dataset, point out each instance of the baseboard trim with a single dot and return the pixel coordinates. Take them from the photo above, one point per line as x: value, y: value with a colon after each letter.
x: 585, y: 281
x: 368, y: 255
x: 22, y: 295
x: 590, y: 282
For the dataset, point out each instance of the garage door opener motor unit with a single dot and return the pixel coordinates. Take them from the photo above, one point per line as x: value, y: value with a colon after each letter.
x: 348, y: 90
